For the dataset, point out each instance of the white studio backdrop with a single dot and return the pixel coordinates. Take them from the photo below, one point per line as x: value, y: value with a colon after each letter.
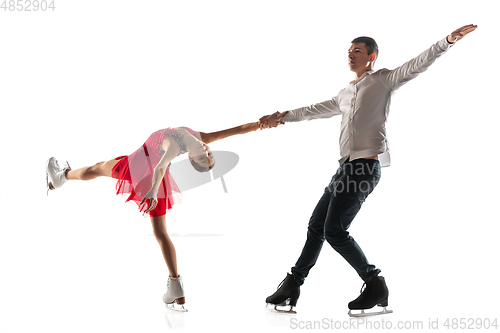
x: 89, y: 81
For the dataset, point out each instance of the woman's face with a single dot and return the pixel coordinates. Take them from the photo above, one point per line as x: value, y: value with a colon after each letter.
x: 206, y: 158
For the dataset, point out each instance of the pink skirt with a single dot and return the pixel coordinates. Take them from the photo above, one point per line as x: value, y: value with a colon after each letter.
x: 134, y: 175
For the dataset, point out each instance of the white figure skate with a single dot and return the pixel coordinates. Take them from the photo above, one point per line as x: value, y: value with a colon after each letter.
x: 56, y: 173
x: 175, y: 294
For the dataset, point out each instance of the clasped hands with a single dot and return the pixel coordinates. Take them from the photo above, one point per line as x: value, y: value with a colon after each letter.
x: 272, y: 120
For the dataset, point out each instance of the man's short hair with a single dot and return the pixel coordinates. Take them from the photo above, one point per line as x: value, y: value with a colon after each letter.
x: 370, y: 43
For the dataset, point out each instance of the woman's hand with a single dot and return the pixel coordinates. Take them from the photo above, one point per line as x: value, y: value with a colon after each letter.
x: 153, y: 201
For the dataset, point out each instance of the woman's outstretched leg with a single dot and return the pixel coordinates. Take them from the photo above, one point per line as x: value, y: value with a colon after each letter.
x: 166, y: 245
x: 90, y: 172
x: 59, y: 176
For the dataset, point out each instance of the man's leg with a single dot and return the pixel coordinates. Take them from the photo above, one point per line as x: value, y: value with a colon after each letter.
x: 289, y: 289
x: 315, y: 238
x: 349, y: 194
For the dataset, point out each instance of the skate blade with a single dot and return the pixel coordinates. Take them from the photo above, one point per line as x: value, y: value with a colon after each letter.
x: 47, y: 175
x: 47, y: 182
x: 174, y: 307
x: 368, y: 314
x: 284, y: 304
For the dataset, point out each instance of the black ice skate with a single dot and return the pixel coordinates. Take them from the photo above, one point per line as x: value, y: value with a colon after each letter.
x: 375, y: 293
x: 287, y: 295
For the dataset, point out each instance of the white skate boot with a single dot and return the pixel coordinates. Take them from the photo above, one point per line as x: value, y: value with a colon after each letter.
x: 175, y: 294
x: 56, y: 173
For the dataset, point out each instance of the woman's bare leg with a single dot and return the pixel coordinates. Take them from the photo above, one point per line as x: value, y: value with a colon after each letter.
x: 166, y: 245
x: 87, y: 173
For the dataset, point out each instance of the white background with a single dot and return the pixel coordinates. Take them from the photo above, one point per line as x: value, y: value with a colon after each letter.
x: 92, y: 79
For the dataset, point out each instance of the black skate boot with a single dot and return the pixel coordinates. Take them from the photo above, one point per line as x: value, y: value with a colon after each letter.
x: 287, y: 294
x: 375, y: 293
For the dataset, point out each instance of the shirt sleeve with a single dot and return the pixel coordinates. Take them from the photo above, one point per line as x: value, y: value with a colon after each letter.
x: 395, y: 78
x: 326, y: 109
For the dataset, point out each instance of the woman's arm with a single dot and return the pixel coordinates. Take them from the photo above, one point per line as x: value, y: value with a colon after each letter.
x: 242, y: 129
x: 171, y: 151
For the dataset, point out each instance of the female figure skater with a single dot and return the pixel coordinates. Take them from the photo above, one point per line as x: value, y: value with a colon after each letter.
x: 144, y: 176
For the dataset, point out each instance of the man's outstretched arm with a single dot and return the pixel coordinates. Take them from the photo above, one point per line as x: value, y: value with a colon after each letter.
x: 326, y: 109
x: 397, y: 77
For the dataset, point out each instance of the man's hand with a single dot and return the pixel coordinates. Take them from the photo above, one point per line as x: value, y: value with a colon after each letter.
x: 460, y: 33
x: 272, y: 120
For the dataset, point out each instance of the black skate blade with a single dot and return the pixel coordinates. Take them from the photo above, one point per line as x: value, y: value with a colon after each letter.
x: 368, y: 314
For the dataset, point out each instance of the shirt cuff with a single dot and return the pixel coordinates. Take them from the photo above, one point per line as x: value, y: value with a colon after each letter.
x: 287, y: 118
x: 444, y: 44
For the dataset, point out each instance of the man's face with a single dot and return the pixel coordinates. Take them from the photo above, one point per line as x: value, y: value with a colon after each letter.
x: 358, y: 57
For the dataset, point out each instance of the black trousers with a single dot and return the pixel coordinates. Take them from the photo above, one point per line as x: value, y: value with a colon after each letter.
x: 341, y: 201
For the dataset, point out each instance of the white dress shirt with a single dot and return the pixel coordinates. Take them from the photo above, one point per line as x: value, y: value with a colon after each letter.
x: 364, y: 106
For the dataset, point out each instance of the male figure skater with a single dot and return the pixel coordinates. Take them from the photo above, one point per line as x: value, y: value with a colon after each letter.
x: 364, y: 106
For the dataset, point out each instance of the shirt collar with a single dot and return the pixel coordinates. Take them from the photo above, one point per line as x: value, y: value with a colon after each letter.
x: 365, y: 74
